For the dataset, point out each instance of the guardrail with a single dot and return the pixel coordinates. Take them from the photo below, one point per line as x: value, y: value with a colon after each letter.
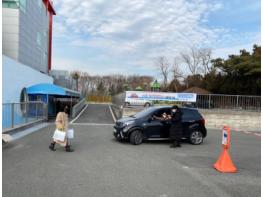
x: 78, y: 107
x: 233, y: 102
x: 210, y: 101
x: 99, y: 98
x: 20, y: 114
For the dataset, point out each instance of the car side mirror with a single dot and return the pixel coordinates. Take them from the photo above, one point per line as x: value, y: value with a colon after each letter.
x: 151, y: 118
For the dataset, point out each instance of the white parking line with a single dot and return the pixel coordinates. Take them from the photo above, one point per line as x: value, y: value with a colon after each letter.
x: 257, y: 134
x: 246, y: 132
x: 79, y: 114
x: 112, y: 114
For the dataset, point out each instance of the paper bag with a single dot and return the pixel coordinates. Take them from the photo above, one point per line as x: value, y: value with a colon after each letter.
x: 59, y: 135
x: 70, y: 133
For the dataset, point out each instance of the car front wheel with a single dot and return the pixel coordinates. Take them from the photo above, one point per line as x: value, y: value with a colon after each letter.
x: 136, y: 137
x: 196, y: 137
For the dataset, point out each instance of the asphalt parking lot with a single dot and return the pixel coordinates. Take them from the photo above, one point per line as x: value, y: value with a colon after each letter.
x: 101, y: 166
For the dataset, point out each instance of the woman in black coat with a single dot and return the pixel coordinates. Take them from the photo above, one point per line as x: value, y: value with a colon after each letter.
x: 176, y: 129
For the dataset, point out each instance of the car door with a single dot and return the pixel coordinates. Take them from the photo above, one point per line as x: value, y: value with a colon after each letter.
x: 187, y: 120
x: 165, y: 125
x: 153, y: 127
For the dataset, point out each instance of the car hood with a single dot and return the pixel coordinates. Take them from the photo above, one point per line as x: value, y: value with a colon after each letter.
x: 126, y: 119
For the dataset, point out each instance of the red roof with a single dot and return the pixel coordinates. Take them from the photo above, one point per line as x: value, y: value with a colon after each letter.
x: 197, y: 90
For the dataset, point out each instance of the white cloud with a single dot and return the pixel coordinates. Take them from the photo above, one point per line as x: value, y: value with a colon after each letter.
x: 73, y: 64
x: 137, y: 31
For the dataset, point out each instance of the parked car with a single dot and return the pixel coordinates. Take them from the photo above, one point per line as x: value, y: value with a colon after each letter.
x: 145, y: 103
x: 133, y: 98
x: 142, y: 126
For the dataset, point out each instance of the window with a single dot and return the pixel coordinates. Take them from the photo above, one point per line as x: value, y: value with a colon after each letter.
x: 22, y: 4
x: 10, y: 4
x: 190, y: 114
x: 15, y: 4
x: 23, y: 99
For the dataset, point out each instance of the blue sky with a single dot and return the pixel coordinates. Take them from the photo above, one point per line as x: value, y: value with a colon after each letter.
x: 124, y: 37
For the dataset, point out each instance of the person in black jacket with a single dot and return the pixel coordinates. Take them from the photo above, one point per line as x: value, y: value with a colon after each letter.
x: 176, y: 129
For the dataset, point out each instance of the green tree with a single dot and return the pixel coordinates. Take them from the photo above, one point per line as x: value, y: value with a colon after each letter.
x: 240, y: 74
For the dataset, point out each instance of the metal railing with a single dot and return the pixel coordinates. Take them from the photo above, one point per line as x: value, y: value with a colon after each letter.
x: 78, y: 107
x: 19, y: 114
x: 232, y: 102
x: 211, y: 101
x: 118, y: 99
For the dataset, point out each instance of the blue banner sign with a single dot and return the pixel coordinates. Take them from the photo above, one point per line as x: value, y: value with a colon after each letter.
x: 159, y: 96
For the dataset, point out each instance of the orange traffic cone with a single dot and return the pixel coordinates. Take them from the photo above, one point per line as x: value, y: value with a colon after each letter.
x: 224, y: 163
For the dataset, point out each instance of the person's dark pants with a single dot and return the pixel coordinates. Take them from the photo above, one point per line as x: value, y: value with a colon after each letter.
x: 176, y: 142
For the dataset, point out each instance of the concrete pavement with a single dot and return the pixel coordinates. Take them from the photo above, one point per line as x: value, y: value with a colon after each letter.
x: 101, y: 166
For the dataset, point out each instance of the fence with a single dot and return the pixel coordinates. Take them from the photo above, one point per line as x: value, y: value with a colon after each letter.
x: 99, y: 99
x: 18, y: 114
x: 211, y: 101
x: 78, y: 107
x: 232, y: 102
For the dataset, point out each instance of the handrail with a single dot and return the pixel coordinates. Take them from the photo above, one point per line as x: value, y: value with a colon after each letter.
x: 78, y: 107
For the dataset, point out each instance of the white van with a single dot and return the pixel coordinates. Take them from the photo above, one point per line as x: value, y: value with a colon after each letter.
x: 136, y: 98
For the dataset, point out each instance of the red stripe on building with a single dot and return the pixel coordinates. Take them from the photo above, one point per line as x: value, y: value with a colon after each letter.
x: 51, y: 12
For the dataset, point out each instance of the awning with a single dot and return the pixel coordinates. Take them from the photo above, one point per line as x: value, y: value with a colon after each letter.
x: 51, y: 89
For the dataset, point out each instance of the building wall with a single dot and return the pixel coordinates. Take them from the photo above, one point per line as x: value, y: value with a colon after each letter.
x: 63, y: 78
x: 25, y: 34
x: 33, y: 35
x: 10, y: 32
x: 13, y: 81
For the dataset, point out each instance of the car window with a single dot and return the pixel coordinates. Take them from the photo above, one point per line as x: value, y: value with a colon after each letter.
x: 190, y: 114
x: 161, y: 111
x: 145, y: 112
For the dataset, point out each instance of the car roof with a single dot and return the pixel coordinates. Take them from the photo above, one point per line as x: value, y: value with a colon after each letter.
x: 167, y: 106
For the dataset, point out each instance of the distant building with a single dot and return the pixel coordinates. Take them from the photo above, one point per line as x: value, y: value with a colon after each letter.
x: 63, y: 78
x: 27, y: 32
x: 155, y: 86
x: 197, y: 90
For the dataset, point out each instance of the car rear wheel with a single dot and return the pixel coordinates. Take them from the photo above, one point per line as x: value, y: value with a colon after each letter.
x: 147, y: 104
x: 136, y: 137
x: 196, y: 137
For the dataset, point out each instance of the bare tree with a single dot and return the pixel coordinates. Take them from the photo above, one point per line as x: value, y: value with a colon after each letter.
x: 76, y: 75
x: 177, y: 72
x: 177, y: 75
x: 163, y: 66
x: 84, y: 83
x: 205, y: 56
x: 192, y: 60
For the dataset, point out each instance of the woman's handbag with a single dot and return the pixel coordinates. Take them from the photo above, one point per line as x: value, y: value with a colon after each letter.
x: 70, y: 134
x: 59, y: 135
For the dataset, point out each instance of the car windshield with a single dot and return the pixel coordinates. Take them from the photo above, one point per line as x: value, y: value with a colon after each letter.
x: 145, y: 112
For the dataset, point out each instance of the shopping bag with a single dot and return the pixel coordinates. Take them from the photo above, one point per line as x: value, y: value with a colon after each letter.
x: 70, y: 133
x: 59, y: 135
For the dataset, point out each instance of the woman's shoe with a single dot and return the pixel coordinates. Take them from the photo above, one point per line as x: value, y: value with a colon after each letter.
x: 68, y: 149
x: 52, y: 147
